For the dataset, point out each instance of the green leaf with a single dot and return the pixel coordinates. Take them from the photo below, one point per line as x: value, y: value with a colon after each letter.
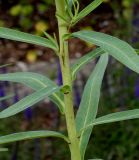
x: 28, y: 101
x: 25, y: 37
x: 33, y: 80
x: 118, y: 116
x: 30, y: 135
x: 3, y: 149
x: 6, y: 97
x: 36, y: 82
x: 92, y: 6
x: 114, y: 117
x: 80, y: 63
x: 69, y: 4
x: 51, y: 39
x: 89, y: 103
x: 117, y: 48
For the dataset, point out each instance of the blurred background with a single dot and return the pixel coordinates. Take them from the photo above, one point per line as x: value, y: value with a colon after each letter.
x: 120, y: 90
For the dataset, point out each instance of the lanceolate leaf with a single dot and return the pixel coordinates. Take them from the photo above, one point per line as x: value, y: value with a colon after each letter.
x: 33, y: 80
x: 117, y: 48
x: 118, y: 116
x: 30, y: 135
x: 36, y: 82
x: 84, y: 60
x: 114, y: 117
x: 15, y: 35
x: 28, y: 101
x: 87, y: 10
x: 89, y: 103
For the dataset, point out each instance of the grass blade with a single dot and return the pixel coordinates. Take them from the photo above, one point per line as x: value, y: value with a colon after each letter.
x: 89, y: 103
x: 30, y: 135
x: 117, y: 48
x: 80, y: 63
x: 15, y: 35
x: 28, y: 101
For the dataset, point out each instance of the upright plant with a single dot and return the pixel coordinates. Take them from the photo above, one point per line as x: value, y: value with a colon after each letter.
x: 79, y: 128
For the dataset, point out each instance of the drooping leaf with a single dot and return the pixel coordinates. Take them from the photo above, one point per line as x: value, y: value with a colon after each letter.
x: 92, y: 6
x: 117, y: 48
x: 30, y: 135
x: 33, y: 80
x: 89, y: 103
x: 3, y: 149
x: 28, y: 101
x: 15, y: 35
x: 84, y: 60
x: 36, y: 82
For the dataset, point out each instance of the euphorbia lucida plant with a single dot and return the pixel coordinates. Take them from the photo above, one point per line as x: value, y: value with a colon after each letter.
x: 79, y: 126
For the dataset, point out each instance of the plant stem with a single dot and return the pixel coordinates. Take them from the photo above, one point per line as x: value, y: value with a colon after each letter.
x: 66, y: 75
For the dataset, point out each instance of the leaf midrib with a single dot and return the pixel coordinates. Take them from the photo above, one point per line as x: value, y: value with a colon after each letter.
x: 110, y: 46
x: 30, y: 39
x: 88, y: 108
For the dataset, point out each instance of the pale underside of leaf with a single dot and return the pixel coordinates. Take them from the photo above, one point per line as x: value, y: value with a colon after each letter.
x: 36, y: 82
x: 80, y: 63
x: 25, y: 37
x: 89, y: 103
x: 30, y: 135
x: 28, y: 101
x: 117, y: 48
